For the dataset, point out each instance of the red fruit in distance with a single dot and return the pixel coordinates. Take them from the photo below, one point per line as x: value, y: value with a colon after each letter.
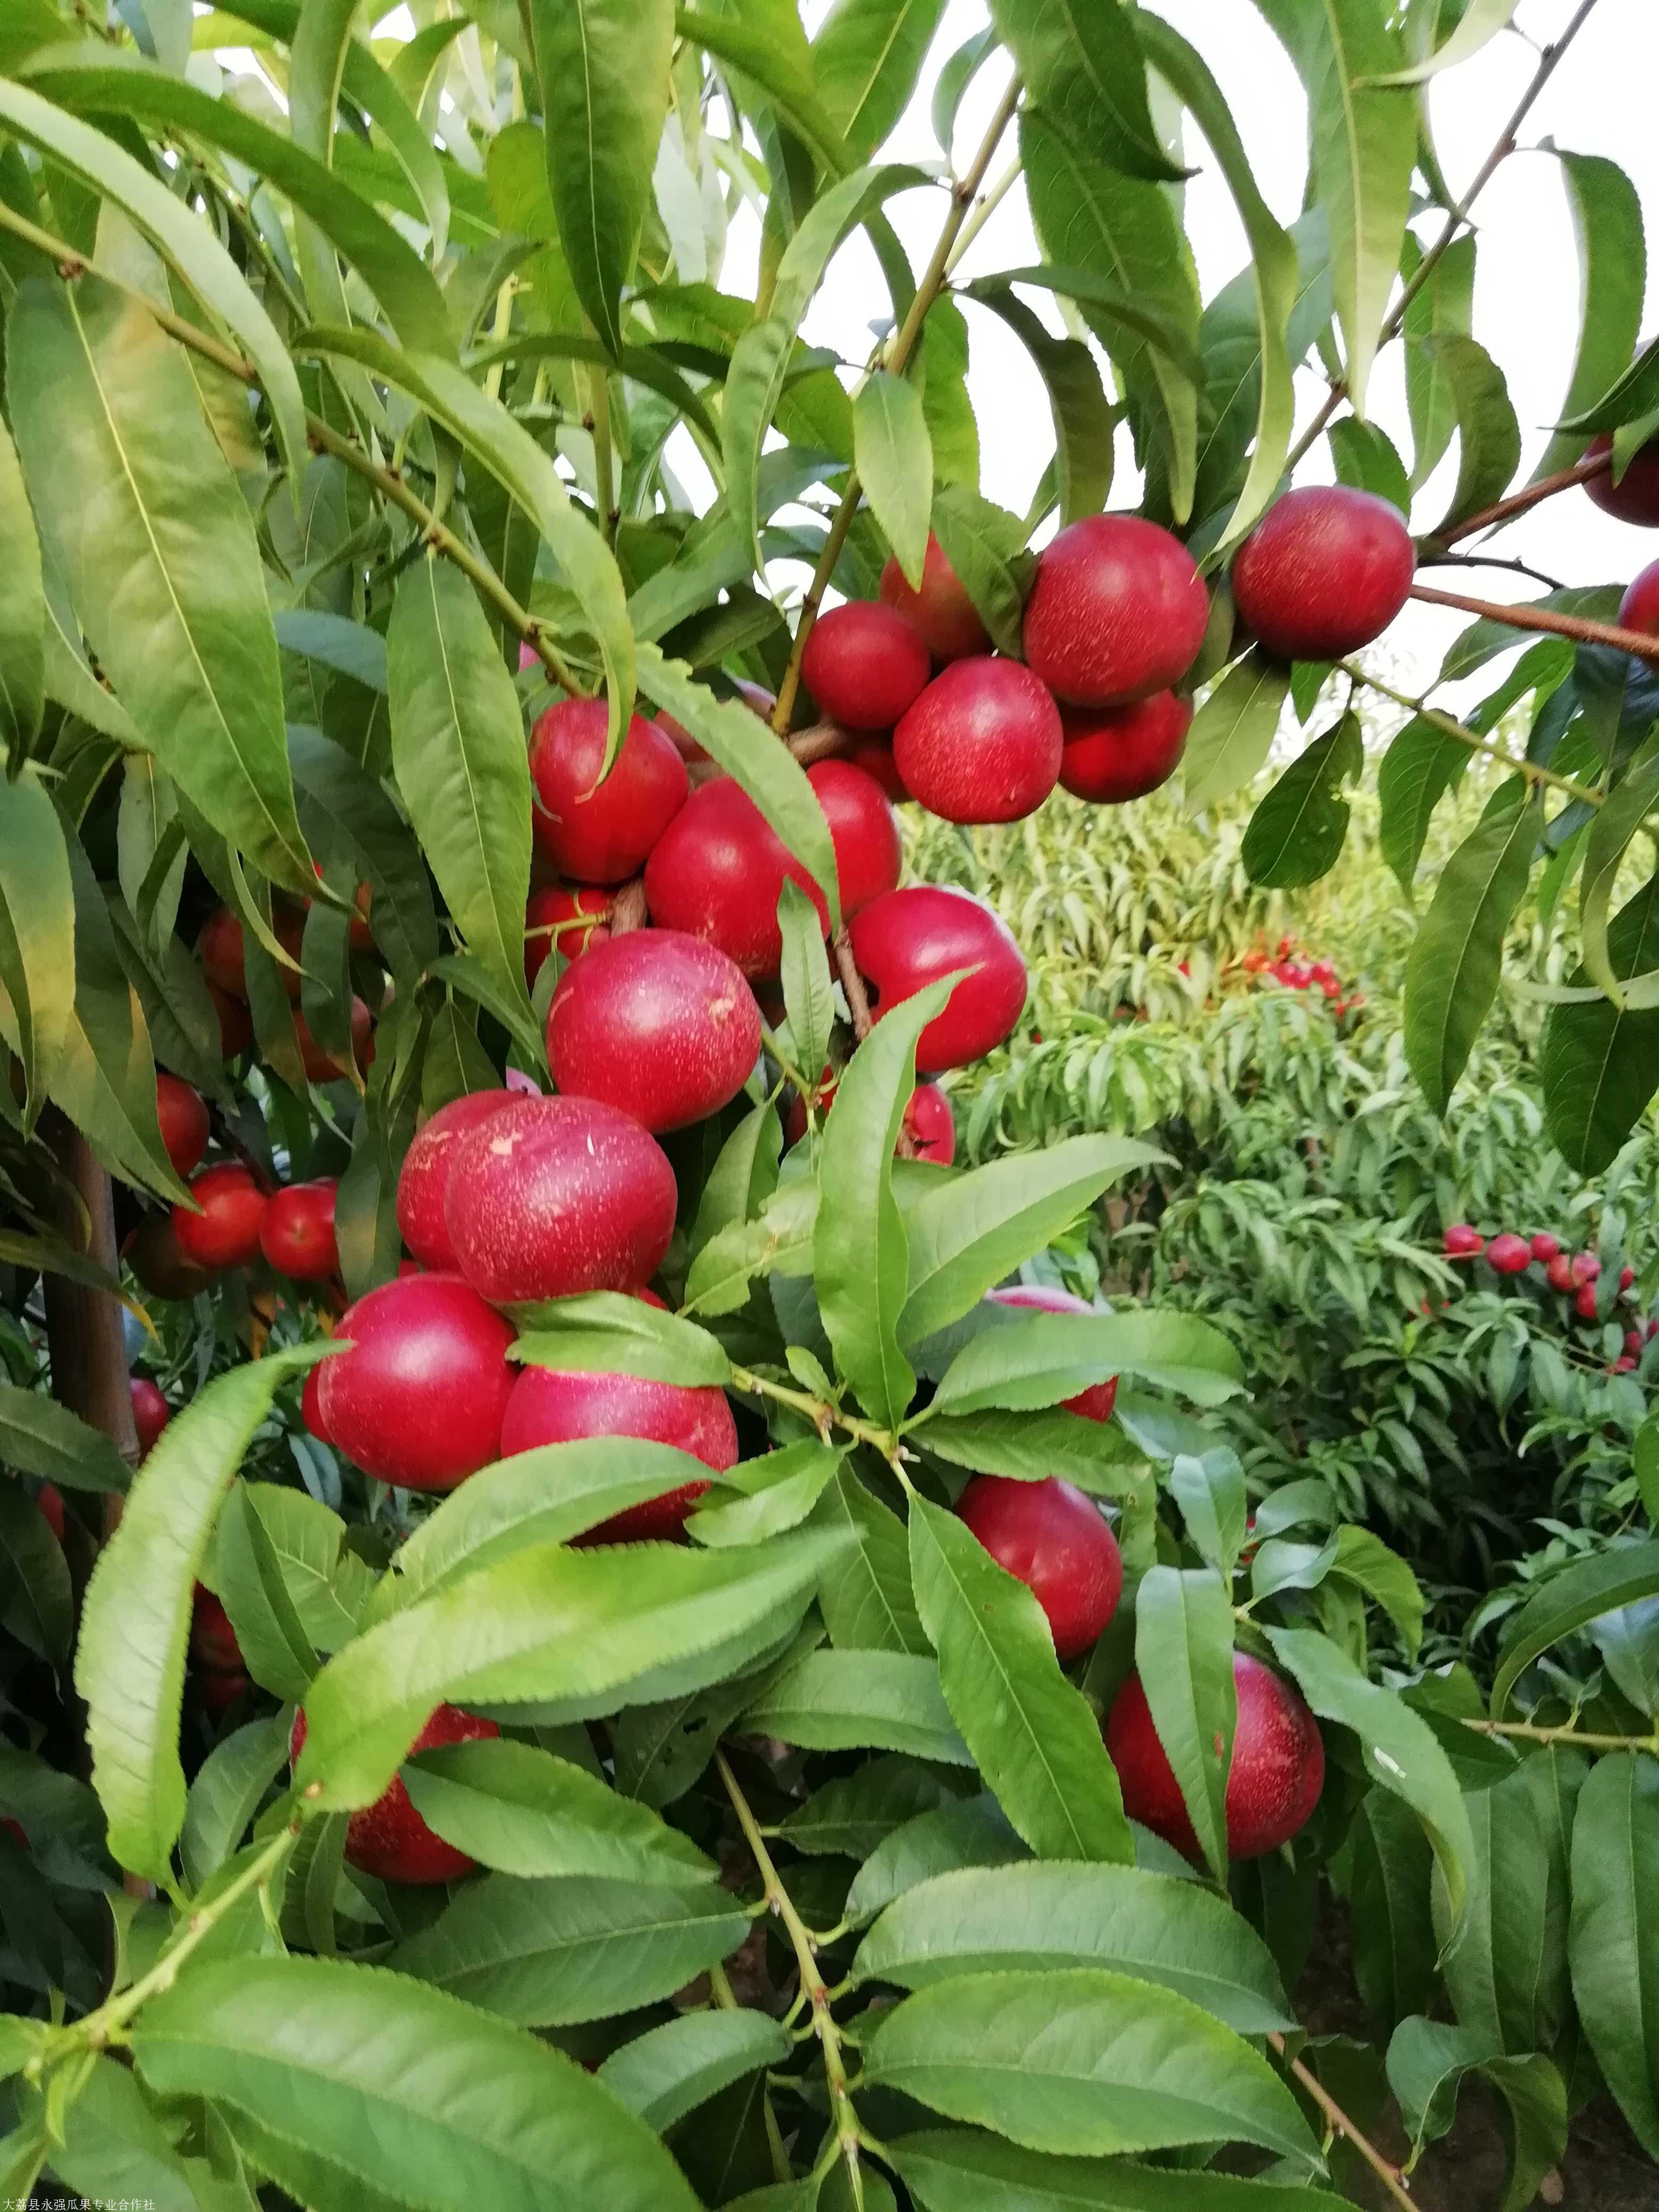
x: 1545, y: 1247
x: 981, y: 743
x: 550, y: 1407
x: 311, y: 1412
x: 600, y: 832
x: 940, y: 610
x: 418, y: 1399
x: 930, y: 1125
x: 388, y: 1838
x: 14, y: 1830
x: 320, y: 1067
x: 1635, y: 497
x: 226, y: 1232
x: 557, y: 1195
x: 1094, y: 1404
x: 49, y: 1502
x: 864, y: 665
x: 152, y: 1252
x: 296, y: 1234
x: 658, y: 1024
x: 1639, y: 608
x: 1585, y: 1267
x: 150, y: 1411
x: 1278, y: 1766
x: 719, y: 869
x: 1052, y: 1538
x: 908, y: 938
x: 1509, y: 1254
x: 183, y: 1116
x: 224, y: 959
x: 235, y: 1024
x: 564, y: 918
x: 1325, y: 571
x: 1623, y: 1365
x: 1462, y: 1242
x: 1627, y: 1277
x: 423, y: 1179
x: 1584, y: 1302
x: 1118, y: 612
x: 1634, y: 1340
x: 1116, y: 753
x: 875, y: 759
x: 212, y: 1639
x: 218, y: 1693
x: 1560, y: 1274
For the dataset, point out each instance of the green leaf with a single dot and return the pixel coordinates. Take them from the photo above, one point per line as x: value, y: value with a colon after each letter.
x: 458, y: 753
x: 860, y: 1249
x: 37, y: 934
x: 36, y: 1603
x: 1599, y: 1063
x: 1043, y: 1358
x: 1480, y: 22
x: 338, y: 795
x: 1394, y: 1941
x: 135, y: 1620
x: 1365, y: 1561
x: 1483, y: 639
x: 548, y: 1953
x: 947, y: 2169
x: 250, y: 1584
x: 1442, y: 307
x: 1297, y: 834
x: 42, y: 1437
x: 1368, y: 459
x: 180, y: 237
x: 1039, y: 1917
x: 1489, y: 433
x: 1232, y: 732
x: 1581, y: 1593
x: 539, y: 1624
x: 980, y: 541
x: 1076, y: 2061
x: 1427, y: 2061
x: 602, y: 66
x: 761, y: 1498
x: 1086, y: 421
x: 975, y: 1832
x: 1184, y: 1656
x: 1614, y: 1948
x: 525, y: 1811
x: 859, y: 1700
x: 1364, y: 146
x: 327, y: 1584
x: 1123, y: 230
x: 973, y: 1232
x: 809, y: 999
x: 152, y: 533
x: 1456, y: 957
x: 867, y: 58
x: 741, y: 743
x: 665, y: 2073
x: 1029, y: 1447
x: 784, y: 74
x: 894, y: 456
x: 866, y: 1595
x: 1399, y: 1750
x: 366, y: 2087
x: 22, y: 609
x: 229, y: 1787
x: 1607, y: 219
x: 610, y: 1332
x: 855, y: 1813
x: 1034, y: 1737
x: 1616, y: 823
x: 1421, y: 765
x: 1082, y: 67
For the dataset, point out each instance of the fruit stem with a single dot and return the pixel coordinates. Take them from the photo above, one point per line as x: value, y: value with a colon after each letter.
x: 325, y: 438
x: 894, y: 358
x: 1456, y: 729
x: 1504, y: 510
x: 858, y: 1002
x: 1578, y: 627
x: 1527, y: 1733
x: 1389, y: 2176
x: 846, y: 2130
x: 1548, y: 61
x: 823, y: 1415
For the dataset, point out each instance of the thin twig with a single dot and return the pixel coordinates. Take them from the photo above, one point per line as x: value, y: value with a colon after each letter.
x: 1527, y: 1733
x: 1505, y: 510
x: 1389, y: 2176
x: 1490, y: 561
x: 1452, y: 728
x: 1579, y: 627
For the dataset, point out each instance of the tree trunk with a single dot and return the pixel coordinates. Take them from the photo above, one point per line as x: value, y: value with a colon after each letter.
x: 83, y: 1326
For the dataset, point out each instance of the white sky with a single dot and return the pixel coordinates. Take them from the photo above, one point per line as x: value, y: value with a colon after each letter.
x: 1599, y: 100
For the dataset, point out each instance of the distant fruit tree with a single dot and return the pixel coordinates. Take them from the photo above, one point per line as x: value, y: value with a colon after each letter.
x: 653, y: 1660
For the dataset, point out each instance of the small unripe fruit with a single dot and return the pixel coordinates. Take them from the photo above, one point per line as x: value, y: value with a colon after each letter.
x: 572, y: 919
x: 940, y: 610
x: 235, y: 1024
x: 1462, y: 1242
x: 1051, y: 1537
x: 557, y: 1195
x: 150, y: 1411
x: 1586, y: 1266
x: 719, y: 871
x: 658, y: 1024
x: 183, y: 1116
x: 1559, y: 1273
x: 551, y: 1407
x: 419, y: 1397
x: 49, y: 1503
x: 212, y: 1639
x: 1118, y: 611
x: 1278, y: 1765
x: 1112, y: 754
x: 423, y: 1179
x: 1584, y: 1302
x: 226, y: 1232
x: 981, y: 742
x: 153, y: 1253
x: 1325, y: 571
x: 389, y: 1840
x: 223, y: 956
x: 911, y: 938
x: 1509, y: 1254
x: 600, y: 832
x: 864, y: 665
x: 1635, y: 497
x: 931, y: 1126
x: 320, y: 1067
x: 1639, y: 608
x: 1545, y: 1247
x: 1094, y: 1404
x: 296, y: 1233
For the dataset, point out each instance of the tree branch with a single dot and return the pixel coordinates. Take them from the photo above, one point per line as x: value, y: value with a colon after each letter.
x: 1577, y: 627
x: 1505, y: 510
x: 1533, y: 773
x: 1389, y: 2176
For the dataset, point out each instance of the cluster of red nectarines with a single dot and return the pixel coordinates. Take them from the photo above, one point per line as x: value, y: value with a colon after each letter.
x: 1571, y: 1275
